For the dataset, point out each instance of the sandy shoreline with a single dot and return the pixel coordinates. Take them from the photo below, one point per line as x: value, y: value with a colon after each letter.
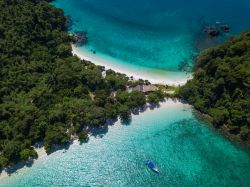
x: 153, y: 76
x: 42, y: 155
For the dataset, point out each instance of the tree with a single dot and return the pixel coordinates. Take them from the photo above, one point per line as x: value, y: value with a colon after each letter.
x: 25, y: 154
x: 83, y: 136
x: 46, y: 93
x: 136, y: 99
x: 122, y: 97
x: 221, y: 85
x: 153, y: 98
x: 124, y: 112
x: 3, y: 161
x: 55, y: 135
x: 11, y: 151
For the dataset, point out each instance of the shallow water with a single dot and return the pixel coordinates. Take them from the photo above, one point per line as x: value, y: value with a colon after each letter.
x: 156, y: 34
x: 186, y: 151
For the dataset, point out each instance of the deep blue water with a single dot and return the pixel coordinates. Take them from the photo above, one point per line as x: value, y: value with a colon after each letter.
x: 159, y: 34
x: 186, y: 151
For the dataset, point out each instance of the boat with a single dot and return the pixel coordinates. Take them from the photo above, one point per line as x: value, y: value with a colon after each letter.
x: 151, y: 166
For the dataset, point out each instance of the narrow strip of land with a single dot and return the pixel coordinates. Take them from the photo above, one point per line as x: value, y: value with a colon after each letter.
x: 152, y: 75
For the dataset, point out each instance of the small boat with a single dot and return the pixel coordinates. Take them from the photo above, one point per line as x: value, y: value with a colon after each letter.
x: 151, y: 166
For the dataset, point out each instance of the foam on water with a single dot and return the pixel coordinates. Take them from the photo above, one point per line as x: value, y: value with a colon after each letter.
x: 186, y: 151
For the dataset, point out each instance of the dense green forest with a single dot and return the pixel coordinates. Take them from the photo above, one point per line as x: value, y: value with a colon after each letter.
x: 221, y: 86
x: 46, y: 94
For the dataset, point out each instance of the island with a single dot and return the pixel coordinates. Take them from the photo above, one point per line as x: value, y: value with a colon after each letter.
x: 49, y: 95
x: 220, y: 87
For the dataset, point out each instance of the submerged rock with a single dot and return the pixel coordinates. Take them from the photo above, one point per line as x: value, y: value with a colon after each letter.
x: 80, y: 38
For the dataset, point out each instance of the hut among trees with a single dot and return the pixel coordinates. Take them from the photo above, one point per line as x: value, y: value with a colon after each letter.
x: 145, y: 88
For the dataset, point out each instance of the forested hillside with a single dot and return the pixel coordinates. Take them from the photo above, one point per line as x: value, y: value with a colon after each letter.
x: 221, y: 85
x: 46, y: 94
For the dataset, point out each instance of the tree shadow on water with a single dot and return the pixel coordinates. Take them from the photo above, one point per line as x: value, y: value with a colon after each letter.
x: 98, y: 132
x: 126, y: 121
x: 153, y: 106
x: 138, y: 110
x: 60, y: 147
x: 13, y: 169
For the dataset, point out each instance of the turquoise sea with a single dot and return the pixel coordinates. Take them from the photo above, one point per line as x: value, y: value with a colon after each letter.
x: 186, y: 150
x: 158, y: 34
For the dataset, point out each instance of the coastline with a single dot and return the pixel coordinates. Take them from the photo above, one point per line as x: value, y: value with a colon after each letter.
x: 152, y: 75
x: 19, y: 167
x: 186, y: 153
x: 42, y: 155
x: 223, y: 130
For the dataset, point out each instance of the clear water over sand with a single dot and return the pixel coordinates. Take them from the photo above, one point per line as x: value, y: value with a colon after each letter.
x: 158, y: 34
x: 186, y: 151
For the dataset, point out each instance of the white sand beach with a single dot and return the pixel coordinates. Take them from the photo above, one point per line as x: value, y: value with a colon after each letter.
x: 42, y: 155
x: 18, y: 167
x: 153, y: 76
